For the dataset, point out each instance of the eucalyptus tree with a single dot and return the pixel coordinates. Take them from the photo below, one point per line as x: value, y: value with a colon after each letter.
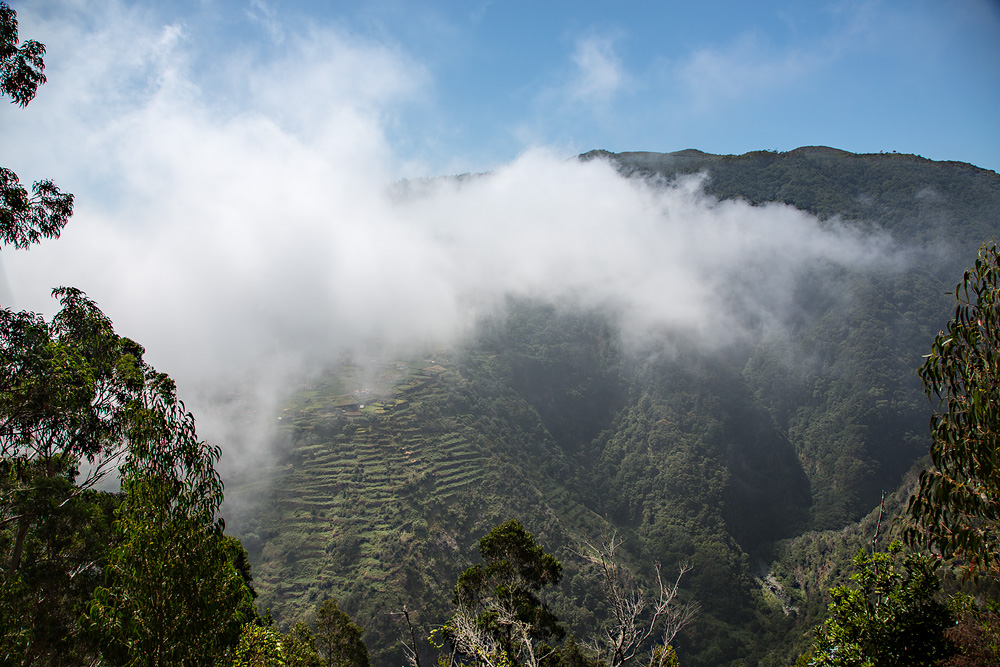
x: 67, y: 387
x: 78, y: 401
x: 25, y: 218
x: 338, y: 638
x: 173, y: 594
x: 68, y: 391
x: 955, y: 512
x: 21, y: 67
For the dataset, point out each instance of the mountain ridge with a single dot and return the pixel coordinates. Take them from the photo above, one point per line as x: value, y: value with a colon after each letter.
x: 710, y: 457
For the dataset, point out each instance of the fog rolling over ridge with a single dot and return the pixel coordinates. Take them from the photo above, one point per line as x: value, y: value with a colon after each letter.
x: 221, y: 300
x: 240, y: 247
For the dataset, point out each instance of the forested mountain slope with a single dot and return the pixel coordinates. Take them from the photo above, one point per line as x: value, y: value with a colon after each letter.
x: 849, y: 400
x: 390, y: 468
x: 913, y: 198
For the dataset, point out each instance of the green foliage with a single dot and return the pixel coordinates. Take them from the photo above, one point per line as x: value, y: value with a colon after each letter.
x: 891, y: 619
x: 258, y: 646
x: 68, y: 391
x: 21, y: 67
x: 807, y: 566
x: 67, y: 386
x: 500, y: 619
x: 664, y: 656
x: 173, y: 593
x: 512, y: 558
x: 264, y: 646
x: 72, y: 390
x: 956, y: 510
x: 25, y: 219
x: 15, y: 634
x: 63, y: 549
x: 175, y: 589
x: 299, y: 647
x: 339, y: 638
x: 570, y: 655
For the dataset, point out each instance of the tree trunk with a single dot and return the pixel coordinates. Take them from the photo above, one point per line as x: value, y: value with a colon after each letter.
x: 18, y: 550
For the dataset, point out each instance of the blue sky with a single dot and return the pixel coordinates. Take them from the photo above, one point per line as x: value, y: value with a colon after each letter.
x: 482, y: 82
x: 728, y: 77
x: 913, y: 76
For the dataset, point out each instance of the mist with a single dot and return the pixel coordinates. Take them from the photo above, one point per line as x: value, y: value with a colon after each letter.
x: 248, y: 219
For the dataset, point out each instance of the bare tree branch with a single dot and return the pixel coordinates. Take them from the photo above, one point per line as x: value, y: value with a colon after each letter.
x: 410, y: 650
x: 634, y: 617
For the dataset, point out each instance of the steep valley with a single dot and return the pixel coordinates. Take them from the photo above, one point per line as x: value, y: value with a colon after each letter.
x: 757, y: 461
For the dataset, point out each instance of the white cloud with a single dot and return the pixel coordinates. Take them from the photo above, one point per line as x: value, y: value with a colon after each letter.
x: 599, y: 74
x: 587, y: 87
x: 240, y: 236
x: 712, y: 77
x: 262, y: 13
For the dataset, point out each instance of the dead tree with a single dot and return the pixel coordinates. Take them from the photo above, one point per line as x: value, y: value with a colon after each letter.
x: 411, y: 650
x: 634, y: 616
x: 471, y: 637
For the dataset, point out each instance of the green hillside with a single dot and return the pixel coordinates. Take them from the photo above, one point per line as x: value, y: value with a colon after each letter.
x: 915, y: 199
x: 380, y: 507
x: 754, y: 463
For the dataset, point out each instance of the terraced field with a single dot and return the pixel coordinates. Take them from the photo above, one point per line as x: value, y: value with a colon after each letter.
x: 385, y: 501
x: 387, y: 475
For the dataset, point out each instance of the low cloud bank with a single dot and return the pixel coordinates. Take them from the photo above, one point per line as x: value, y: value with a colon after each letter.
x: 241, y: 243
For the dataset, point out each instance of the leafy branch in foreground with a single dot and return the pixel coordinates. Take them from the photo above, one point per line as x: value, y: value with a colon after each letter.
x: 891, y: 619
x: 26, y: 219
x: 74, y: 395
x: 21, y: 67
x: 173, y: 592
x: 955, y: 512
x: 66, y: 391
